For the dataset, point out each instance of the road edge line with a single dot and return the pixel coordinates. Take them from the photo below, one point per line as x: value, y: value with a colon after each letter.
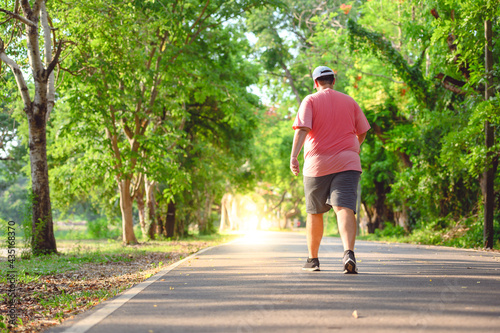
x: 87, y: 323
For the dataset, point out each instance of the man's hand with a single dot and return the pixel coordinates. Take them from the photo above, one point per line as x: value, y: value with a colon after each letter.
x: 298, y: 141
x: 294, y: 165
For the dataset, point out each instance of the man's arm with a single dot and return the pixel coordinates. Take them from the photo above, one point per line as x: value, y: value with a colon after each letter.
x: 298, y: 141
x: 361, y: 138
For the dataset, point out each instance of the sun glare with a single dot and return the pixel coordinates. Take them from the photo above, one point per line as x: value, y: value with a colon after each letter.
x: 253, y: 237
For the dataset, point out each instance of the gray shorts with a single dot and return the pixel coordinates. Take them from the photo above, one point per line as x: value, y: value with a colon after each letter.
x: 337, y: 189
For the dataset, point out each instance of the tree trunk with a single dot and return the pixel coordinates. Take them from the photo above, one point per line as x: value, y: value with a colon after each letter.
x: 204, y: 221
x: 292, y: 83
x: 229, y: 212
x: 224, y: 211
x: 150, y: 209
x: 139, y: 198
x: 380, y: 215
x: 234, y: 220
x: 170, y: 221
x: 368, y: 218
x: 160, y: 226
x: 43, y: 240
x: 489, y: 173
x: 372, y: 227
x: 287, y: 216
x: 126, y: 209
x: 403, y: 217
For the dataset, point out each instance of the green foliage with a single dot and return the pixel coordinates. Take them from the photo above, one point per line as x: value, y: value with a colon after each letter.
x: 467, y: 233
x: 420, y: 81
x: 26, y: 224
x: 161, y: 91
x: 390, y: 231
x: 12, y: 152
x: 12, y: 199
x: 370, y: 41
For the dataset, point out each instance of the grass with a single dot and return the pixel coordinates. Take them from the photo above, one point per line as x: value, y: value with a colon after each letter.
x: 68, y: 302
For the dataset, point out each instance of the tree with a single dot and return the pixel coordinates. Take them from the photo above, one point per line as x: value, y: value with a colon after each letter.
x: 478, y: 77
x: 132, y: 88
x: 139, y: 43
x: 489, y: 131
x: 34, y: 18
x: 221, y: 122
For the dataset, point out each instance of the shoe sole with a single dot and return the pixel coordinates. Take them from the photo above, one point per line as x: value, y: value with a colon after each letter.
x: 315, y: 269
x: 350, y: 267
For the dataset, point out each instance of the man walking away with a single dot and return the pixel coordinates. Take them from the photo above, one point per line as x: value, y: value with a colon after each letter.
x: 331, y: 127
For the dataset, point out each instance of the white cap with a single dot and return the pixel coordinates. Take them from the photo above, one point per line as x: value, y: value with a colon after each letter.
x: 322, y: 71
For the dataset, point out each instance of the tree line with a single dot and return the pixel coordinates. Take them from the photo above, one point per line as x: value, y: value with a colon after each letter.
x: 426, y: 75
x: 147, y: 104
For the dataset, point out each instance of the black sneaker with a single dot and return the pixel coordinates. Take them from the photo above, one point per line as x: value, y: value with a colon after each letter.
x: 349, y: 263
x: 312, y: 264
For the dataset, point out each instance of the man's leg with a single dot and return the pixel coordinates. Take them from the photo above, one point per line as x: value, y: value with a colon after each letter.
x: 314, y: 233
x: 347, y: 226
x: 347, y: 229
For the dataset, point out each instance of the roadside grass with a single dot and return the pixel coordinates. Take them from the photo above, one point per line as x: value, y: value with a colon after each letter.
x: 465, y: 233
x: 84, y: 273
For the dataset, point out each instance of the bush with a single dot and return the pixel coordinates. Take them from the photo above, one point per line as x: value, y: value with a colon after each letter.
x: 391, y: 231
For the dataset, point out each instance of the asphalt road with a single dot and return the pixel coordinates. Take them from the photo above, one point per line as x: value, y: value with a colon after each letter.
x: 256, y: 284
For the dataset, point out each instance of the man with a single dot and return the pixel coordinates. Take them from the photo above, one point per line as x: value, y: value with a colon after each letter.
x: 333, y: 127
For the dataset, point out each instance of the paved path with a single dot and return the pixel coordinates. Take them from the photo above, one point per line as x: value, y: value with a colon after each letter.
x: 256, y: 285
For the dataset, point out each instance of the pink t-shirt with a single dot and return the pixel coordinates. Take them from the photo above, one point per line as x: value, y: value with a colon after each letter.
x: 335, y: 120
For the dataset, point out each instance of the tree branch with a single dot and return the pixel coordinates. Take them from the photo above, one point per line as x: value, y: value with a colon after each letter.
x: 136, y: 187
x: 451, y: 84
x: 197, y: 20
x: 37, y: 6
x: 19, y: 17
x: 54, y: 61
x: 12, y: 34
x: 114, y: 139
x: 127, y: 130
x: 291, y: 82
x: 71, y: 72
x: 7, y: 20
x: 281, y: 201
x: 449, y: 79
x: 26, y: 7
x: 49, y: 63
x: 18, y: 74
x: 453, y: 88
